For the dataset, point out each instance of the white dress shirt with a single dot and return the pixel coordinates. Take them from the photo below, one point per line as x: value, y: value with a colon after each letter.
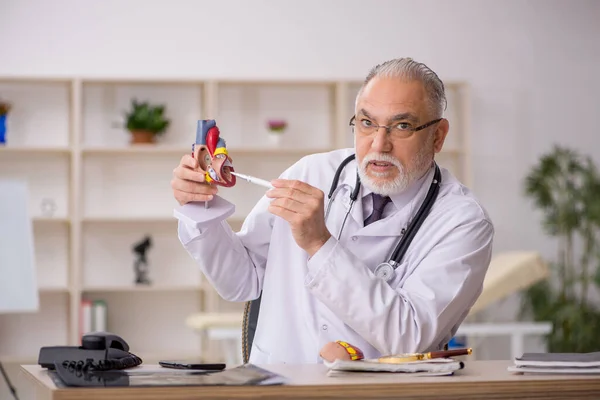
x: 335, y: 295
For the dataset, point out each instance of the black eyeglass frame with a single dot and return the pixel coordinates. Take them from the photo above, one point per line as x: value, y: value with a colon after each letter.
x: 388, y: 128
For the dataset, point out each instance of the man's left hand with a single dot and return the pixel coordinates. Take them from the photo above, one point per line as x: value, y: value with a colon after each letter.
x: 301, y: 205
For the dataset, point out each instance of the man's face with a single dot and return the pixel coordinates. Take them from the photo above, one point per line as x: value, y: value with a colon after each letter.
x: 388, y: 163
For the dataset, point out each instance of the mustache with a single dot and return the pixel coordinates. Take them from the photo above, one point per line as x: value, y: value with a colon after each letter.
x: 381, y: 157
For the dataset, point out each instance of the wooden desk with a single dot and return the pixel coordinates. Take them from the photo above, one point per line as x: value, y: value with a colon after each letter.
x: 479, y: 380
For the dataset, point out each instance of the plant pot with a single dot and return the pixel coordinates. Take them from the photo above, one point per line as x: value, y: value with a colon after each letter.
x: 138, y: 137
x: 275, y: 137
x: 276, y: 129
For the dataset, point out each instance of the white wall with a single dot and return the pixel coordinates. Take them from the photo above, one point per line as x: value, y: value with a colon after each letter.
x: 531, y: 64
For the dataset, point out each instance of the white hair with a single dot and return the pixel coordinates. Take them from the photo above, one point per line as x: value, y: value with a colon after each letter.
x: 408, y: 69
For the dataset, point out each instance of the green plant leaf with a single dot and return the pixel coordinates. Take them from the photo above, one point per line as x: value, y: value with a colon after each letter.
x: 565, y: 186
x: 146, y: 117
x: 537, y: 300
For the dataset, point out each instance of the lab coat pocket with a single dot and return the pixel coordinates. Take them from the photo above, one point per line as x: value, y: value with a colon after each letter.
x: 258, y: 355
x: 261, y: 356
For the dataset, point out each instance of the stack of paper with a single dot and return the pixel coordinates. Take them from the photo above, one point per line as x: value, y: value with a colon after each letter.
x: 432, y: 367
x: 557, y: 363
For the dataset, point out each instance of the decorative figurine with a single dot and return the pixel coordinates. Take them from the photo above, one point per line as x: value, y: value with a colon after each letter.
x: 340, y: 350
x: 141, y: 264
x: 211, y: 152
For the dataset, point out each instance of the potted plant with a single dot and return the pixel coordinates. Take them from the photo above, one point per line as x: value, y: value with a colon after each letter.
x: 4, y: 109
x: 145, y: 121
x: 565, y: 186
x: 276, y: 129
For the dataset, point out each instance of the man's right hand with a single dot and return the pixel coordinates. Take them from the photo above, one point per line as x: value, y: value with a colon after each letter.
x: 188, y: 182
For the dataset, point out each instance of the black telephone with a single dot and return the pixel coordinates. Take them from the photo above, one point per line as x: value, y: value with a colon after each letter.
x: 99, y: 351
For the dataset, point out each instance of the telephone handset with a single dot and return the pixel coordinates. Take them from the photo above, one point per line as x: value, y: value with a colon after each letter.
x: 100, y: 351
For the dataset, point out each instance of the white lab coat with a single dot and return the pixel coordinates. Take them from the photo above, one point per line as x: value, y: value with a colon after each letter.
x: 335, y: 295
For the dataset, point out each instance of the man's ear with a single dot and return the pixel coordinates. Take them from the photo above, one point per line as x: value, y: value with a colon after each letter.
x: 440, y: 135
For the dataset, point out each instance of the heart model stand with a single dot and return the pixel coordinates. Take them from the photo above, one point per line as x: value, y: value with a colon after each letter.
x: 195, y: 214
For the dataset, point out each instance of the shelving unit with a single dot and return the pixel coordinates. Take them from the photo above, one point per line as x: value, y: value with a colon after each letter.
x: 101, y: 195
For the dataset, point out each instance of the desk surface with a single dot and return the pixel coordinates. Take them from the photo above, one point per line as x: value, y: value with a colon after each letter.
x: 479, y: 379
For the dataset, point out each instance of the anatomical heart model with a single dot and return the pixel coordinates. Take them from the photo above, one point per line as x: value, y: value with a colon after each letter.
x: 216, y: 164
x: 211, y: 152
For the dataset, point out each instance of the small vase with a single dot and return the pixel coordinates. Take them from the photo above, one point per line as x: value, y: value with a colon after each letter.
x: 138, y: 137
x: 3, y: 129
x: 275, y: 138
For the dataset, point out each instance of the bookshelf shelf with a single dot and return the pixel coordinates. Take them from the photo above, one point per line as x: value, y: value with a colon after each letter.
x: 159, y: 219
x: 51, y: 220
x: 66, y: 139
x: 55, y: 289
x: 128, y: 219
x: 19, y: 359
x: 136, y: 149
x: 34, y: 150
x: 151, y: 288
x: 181, y: 150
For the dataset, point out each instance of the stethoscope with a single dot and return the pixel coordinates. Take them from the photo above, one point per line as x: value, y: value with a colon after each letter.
x: 386, y: 269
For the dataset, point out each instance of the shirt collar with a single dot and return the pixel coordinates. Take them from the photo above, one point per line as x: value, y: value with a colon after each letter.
x: 349, y: 174
x: 406, y: 196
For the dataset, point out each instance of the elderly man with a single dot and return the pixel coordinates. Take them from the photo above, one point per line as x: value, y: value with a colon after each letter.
x: 323, y: 265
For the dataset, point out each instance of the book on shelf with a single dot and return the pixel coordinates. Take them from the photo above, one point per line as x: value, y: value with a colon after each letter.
x: 557, y: 363
x: 93, y: 316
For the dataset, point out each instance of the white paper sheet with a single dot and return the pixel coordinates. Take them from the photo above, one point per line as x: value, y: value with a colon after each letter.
x: 438, y: 366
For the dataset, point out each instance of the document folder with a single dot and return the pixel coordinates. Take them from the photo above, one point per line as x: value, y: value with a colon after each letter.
x: 557, y: 363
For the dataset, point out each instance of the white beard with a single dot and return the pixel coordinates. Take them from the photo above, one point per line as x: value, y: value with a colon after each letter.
x: 377, y: 182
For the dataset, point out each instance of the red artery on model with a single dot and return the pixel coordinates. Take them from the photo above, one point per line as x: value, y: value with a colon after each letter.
x: 211, y: 152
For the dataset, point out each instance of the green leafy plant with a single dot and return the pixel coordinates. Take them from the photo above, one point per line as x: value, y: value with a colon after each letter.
x: 146, y: 117
x: 565, y: 186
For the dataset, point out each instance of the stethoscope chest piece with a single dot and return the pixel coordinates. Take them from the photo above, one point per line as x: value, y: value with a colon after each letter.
x: 384, y: 271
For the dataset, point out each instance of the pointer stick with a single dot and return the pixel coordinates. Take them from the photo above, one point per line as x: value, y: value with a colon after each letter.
x: 252, y: 179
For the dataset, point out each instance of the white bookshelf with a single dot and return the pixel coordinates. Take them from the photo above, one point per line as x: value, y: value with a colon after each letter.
x: 65, y: 138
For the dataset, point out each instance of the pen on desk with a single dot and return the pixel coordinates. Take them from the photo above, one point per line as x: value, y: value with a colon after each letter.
x: 402, y: 358
x: 447, y: 353
x: 256, y: 181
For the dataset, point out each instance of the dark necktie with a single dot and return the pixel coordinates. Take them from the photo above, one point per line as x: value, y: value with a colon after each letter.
x: 379, y: 203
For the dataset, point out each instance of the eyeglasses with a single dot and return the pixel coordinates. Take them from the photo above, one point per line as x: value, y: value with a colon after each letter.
x: 401, y: 130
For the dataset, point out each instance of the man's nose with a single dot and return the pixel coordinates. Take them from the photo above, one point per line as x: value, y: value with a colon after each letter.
x: 381, y: 140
